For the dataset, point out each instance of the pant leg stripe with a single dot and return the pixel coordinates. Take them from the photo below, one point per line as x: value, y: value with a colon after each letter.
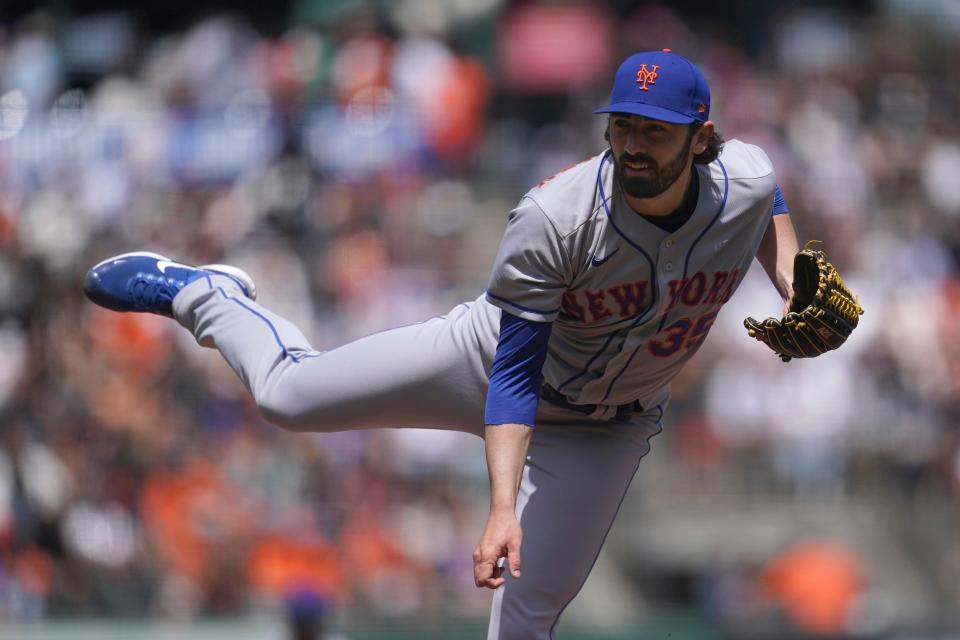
x: 276, y: 336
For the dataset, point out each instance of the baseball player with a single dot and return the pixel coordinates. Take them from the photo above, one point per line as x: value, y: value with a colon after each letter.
x: 608, y: 279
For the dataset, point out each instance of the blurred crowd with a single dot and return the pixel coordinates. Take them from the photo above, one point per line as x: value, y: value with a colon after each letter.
x: 360, y: 165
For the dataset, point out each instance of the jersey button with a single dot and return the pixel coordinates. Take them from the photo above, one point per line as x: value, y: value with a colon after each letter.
x: 669, y: 243
x: 668, y: 266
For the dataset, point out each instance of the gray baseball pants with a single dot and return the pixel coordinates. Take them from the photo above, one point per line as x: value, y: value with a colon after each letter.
x: 434, y: 375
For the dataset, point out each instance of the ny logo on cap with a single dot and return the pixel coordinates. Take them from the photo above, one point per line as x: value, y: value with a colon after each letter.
x: 645, y: 75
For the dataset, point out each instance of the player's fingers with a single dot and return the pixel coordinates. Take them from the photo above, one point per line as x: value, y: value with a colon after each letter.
x: 513, y: 559
x: 482, y: 570
x: 487, y: 574
x: 492, y: 583
x: 496, y: 579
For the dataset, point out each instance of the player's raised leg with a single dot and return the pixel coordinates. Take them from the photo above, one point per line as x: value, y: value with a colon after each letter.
x: 574, y: 480
x: 423, y: 375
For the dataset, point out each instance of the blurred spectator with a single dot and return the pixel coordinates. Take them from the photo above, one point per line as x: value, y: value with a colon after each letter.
x: 816, y: 583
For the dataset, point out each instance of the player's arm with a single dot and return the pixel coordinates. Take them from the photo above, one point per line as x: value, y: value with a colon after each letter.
x: 527, y: 283
x: 506, y: 446
x: 778, y: 248
x: 511, y: 408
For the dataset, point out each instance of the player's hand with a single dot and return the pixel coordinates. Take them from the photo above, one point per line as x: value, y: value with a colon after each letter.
x: 501, y: 539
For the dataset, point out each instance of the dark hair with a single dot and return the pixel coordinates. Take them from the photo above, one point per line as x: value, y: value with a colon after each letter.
x: 714, y: 146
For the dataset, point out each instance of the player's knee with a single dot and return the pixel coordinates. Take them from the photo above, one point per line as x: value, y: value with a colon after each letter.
x: 283, y: 419
x: 282, y: 412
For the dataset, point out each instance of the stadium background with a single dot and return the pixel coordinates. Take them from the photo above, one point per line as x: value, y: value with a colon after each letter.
x: 358, y: 158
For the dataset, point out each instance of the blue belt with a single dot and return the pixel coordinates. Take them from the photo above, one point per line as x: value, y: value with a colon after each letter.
x: 554, y: 397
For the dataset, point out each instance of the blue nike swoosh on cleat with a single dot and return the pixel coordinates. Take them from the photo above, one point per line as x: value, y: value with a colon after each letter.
x: 599, y: 261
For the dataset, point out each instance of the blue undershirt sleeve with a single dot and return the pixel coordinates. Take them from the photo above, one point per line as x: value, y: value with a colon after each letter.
x: 779, y: 203
x: 515, y: 377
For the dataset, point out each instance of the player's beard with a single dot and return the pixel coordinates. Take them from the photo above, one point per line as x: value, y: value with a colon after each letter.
x: 660, y: 179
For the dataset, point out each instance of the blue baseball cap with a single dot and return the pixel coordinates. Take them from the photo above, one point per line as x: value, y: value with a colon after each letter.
x: 660, y: 85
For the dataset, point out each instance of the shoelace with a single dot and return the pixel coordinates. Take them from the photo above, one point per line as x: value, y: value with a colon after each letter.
x: 150, y: 292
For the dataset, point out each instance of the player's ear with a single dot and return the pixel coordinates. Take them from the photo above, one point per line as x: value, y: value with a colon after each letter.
x: 702, y: 137
x: 606, y: 133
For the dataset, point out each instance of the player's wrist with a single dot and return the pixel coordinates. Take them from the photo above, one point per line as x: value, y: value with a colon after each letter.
x: 503, y: 508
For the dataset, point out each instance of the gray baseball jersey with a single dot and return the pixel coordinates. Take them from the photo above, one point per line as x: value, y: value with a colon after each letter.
x: 630, y: 303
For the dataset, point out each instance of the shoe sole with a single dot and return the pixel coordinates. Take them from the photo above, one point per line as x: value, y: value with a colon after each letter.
x: 237, y: 274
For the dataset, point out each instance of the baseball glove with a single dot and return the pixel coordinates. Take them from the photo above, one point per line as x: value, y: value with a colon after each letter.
x: 821, y: 316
